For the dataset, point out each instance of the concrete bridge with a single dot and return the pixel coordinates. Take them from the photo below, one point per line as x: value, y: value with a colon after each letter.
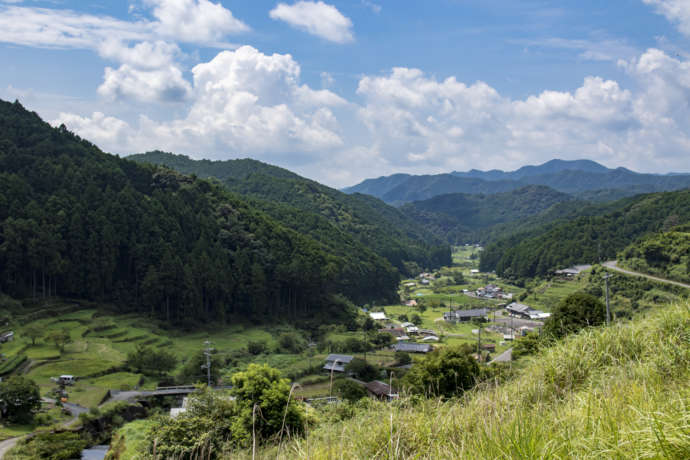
x: 182, y: 390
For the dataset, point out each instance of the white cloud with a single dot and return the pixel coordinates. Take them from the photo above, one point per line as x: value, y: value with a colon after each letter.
x: 108, y: 130
x: 249, y: 103
x: 49, y: 28
x: 245, y: 102
x: 164, y: 84
x: 376, y: 8
x: 676, y: 11
x: 143, y: 55
x: 196, y: 21
x: 316, y: 18
x: 192, y: 21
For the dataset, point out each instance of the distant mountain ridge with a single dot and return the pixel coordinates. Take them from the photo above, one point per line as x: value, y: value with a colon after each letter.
x: 461, y: 217
x: 576, y: 177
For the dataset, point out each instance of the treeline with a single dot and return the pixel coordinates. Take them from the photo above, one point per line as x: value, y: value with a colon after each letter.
x: 77, y: 222
x: 585, y: 239
x: 304, y: 205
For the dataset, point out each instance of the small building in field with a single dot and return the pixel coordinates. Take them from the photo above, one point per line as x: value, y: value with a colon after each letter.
x: 426, y: 332
x: 465, y: 315
x: 337, y: 363
x: 395, y: 331
x: 380, y: 390
x: 411, y: 303
x: 525, y: 311
x: 409, y: 347
x: 6, y: 336
x: 378, y: 316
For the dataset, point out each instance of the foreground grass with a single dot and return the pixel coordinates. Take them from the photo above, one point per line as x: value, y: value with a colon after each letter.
x: 618, y: 392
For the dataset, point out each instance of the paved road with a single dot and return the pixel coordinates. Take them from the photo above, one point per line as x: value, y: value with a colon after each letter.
x: 504, y: 357
x: 613, y: 265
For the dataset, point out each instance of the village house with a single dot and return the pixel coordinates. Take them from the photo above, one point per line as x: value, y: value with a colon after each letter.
x: 409, y: 347
x: 337, y: 363
x: 411, y: 303
x: 378, y: 316
x: 525, y: 311
x: 380, y: 390
x: 6, y: 337
x: 465, y: 315
x: 398, y: 332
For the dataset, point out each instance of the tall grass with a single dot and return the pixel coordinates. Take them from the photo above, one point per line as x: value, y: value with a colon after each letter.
x: 619, y: 392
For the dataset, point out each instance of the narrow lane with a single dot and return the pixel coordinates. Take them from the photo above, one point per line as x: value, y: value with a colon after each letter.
x: 613, y: 265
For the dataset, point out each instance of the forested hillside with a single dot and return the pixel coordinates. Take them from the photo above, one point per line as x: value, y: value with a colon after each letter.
x: 309, y: 207
x: 459, y: 218
x: 665, y: 254
x: 585, y: 239
x: 77, y: 222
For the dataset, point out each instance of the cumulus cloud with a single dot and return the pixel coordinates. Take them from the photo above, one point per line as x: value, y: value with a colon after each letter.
x: 249, y: 103
x: 110, y: 131
x: 676, y: 11
x: 164, y: 84
x: 198, y: 21
x: 246, y: 102
x: 316, y: 18
x: 417, y: 122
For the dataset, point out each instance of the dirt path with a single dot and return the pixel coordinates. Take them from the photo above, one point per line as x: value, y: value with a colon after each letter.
x: 7, y: 444
x: 613, y: 265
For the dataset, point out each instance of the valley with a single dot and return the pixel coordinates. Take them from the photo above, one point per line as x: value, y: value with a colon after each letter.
x: 127, y: 286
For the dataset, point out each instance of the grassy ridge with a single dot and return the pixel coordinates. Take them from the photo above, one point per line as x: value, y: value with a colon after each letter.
x: 619, y: 392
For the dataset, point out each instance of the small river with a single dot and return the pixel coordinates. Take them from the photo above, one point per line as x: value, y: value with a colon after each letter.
x: 94, y: 453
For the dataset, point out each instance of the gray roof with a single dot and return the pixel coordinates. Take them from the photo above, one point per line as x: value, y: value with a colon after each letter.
x: 342, y: 358
x: 518, y: 307
x: 413, y: 347
x: 473, y: 313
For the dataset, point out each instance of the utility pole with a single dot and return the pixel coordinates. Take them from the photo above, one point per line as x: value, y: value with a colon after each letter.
x: 608, y: 308
x: 479, y: 343
x: 207, y: 366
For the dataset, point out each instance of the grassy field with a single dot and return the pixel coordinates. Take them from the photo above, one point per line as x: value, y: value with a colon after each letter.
x: 97, y: 358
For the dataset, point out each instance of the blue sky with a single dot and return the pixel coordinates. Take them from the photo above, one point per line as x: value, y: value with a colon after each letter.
x: 344, y: 90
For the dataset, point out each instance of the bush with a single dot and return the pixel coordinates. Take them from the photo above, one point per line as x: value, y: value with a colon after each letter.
x: 349, y: 390
x: 53, y: 446
x: 290, y: 342
x: 20, y: 398
x: 402, y: 358
x: 445, y: 372
x: 362, y: 370
x: 256, y: 347
x: 577, y: 311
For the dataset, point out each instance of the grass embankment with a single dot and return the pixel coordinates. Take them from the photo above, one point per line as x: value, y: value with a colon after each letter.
x: 618, y: 392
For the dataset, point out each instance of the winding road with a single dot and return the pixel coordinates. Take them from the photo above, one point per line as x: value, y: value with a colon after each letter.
x: 613, y: 265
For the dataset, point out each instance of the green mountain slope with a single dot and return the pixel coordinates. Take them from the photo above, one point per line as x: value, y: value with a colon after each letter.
x: 294, y: 200
x: 585, y: 239
x: 665, y: 254
x: 459, y: 218
x: 77, y: 222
